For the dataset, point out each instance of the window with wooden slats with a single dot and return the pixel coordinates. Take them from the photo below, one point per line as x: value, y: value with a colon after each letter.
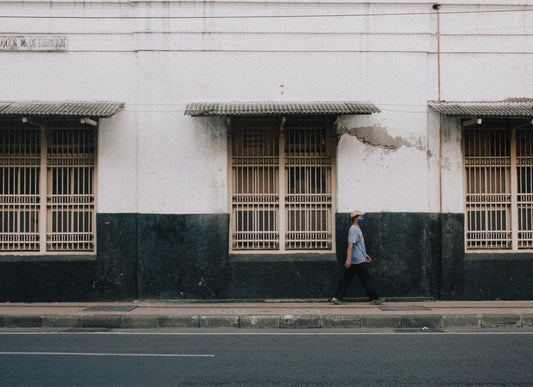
x: 20, y: 160
x: 282, y: 184
x: 499, y: 192
x: 524, y: 198
x: 48, y: 187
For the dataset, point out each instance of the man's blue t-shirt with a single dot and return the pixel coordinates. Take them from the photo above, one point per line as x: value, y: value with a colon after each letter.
x: 355, y: 236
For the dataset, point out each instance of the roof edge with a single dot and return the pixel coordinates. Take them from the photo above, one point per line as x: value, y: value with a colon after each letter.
x: 97, y: 109
x: 510, y: 107
x: 271, y: 108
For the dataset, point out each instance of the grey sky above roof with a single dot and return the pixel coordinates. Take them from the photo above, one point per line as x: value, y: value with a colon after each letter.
x: 60, y: 108
x: 512, y: 107
x: 199, y: 109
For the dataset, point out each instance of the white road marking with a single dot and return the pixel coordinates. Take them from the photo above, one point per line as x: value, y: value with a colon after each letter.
x: 103, y: 354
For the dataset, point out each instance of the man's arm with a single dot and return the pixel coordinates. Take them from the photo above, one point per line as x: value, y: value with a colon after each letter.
x: 348, y: 262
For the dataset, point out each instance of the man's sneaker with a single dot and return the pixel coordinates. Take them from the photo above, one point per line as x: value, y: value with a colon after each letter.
x: 377, y: 301
x: 336, y: 302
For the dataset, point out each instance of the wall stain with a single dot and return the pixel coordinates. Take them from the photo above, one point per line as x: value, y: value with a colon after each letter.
x: 377, y: 136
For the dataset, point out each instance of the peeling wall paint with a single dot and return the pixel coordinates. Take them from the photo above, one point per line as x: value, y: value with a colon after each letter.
x: 377, y: 136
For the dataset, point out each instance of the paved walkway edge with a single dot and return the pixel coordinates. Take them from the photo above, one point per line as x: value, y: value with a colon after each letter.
x: 122, y: 321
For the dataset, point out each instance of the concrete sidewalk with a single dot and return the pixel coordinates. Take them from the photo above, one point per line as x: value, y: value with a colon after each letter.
x: 268, y: 314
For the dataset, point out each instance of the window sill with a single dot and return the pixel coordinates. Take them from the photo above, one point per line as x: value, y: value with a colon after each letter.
x: 47, y: 258
x: 294, y: 257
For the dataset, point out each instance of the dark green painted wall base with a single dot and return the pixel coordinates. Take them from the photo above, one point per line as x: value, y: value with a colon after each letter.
x: 503, y: 278
x: 291, y: 279
x: 185, y: 257
x: 48, y: 281
x: 117, y: 238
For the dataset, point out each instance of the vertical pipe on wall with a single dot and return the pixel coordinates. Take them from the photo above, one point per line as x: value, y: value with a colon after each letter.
x: 436, y: 7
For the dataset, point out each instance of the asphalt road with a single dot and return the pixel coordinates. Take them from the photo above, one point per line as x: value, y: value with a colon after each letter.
x: 265, y: 359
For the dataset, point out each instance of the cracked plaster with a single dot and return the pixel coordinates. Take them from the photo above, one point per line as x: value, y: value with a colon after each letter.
x: 377, y: 136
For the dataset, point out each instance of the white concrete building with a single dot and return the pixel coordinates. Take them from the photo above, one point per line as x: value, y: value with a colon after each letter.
x: 186, y: 149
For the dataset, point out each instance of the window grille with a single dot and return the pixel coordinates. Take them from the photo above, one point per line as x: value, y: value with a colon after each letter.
x: 48, y: 188
x: 499, y: 197
x: 270, y: 156
x: 19, y: 191
x: 524, y: 165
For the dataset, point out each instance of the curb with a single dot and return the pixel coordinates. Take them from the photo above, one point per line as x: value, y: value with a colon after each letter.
x: 428, y: 321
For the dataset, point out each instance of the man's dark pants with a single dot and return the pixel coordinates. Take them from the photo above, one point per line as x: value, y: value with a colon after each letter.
x: 361, y: 269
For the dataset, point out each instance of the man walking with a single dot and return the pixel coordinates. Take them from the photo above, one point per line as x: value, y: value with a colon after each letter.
x: 356, y: 263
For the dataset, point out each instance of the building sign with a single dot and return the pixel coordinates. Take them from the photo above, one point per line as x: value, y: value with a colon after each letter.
x: 33, y: 43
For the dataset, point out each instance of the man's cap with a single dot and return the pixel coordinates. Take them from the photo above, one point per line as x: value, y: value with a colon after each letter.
x: 355, y: 213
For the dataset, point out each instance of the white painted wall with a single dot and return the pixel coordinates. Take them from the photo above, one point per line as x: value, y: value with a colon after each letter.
x: 153, y: 159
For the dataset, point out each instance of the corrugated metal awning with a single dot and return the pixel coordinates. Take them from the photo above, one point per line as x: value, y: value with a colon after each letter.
x: 512, y: 107
x: 202, y: 109
x: 62, y: 108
